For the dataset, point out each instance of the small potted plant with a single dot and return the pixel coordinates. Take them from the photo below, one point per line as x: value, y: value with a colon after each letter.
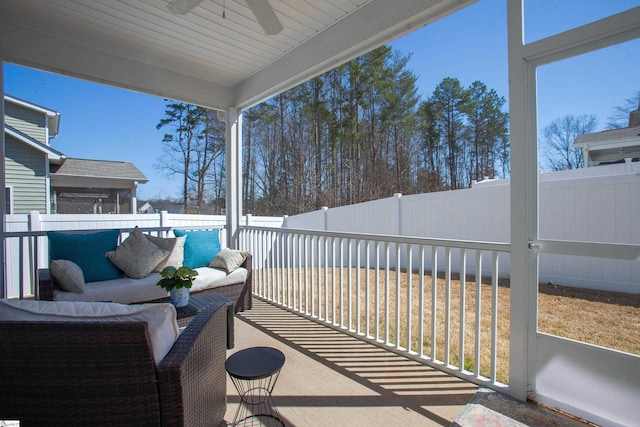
x: 178, y: 282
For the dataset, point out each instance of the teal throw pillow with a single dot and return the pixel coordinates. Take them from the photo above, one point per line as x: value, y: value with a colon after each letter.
x: 87, y: 251
x: 200, y: 247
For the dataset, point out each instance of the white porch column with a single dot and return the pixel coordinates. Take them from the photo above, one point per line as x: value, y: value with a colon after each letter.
x: 134, y: 198
x: 524, y: 209
x: 233, y: 193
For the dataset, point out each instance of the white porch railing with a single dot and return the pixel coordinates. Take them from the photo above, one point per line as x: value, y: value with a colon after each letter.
x: 26, y: 246
x: 422, y: 310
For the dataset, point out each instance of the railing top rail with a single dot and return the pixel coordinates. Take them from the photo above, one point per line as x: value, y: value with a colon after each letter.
x: 451, y: 243
x: 591, y: 249
x: 79, y: 231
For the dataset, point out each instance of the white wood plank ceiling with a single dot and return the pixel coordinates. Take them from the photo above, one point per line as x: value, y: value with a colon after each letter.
x: 202, y: 56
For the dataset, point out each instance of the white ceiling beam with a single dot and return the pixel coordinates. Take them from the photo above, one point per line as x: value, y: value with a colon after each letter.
x: 615, y: 29
x: 369, y: 27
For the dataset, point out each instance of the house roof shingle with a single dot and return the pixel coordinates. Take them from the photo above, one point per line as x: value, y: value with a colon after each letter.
x: 106, y: 169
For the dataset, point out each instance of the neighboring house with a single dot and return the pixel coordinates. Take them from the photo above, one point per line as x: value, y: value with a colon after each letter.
x: 40, y: 178
x: 612, y: 146
x: 95, y: 186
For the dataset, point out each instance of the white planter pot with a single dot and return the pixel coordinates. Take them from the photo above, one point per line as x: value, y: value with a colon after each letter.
x: 180, y: 297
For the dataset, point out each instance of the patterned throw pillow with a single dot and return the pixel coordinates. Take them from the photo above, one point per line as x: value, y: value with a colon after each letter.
x: 137, y: 256
x: 228, y: 259
x: 175, y: 246
x: 68, y: 275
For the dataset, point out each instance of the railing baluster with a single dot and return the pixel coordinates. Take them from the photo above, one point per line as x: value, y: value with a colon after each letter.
x: 300, y: 271
x: 447, y: 307
x: 272, y: 269
x: 289, y: 268
x: 377, y: 296
x: 333, y: 281
x: 317, y: 269
x: 367, y: 293
x: 398, y: 291
x: 409, y: 295
x: 21, y: 270
x: 494, y: 316
x: 434, y: 300
x: 305, y: 282
x: 463, y: 284
x: 326, y: 278
x: 358, y: 286
x: 342, y: 283
x: 476, y: 358
x: 349, y: 283
x: 278, y: 266
x: 386, y: 293
x: 421, y: 305
x: 312, y: 273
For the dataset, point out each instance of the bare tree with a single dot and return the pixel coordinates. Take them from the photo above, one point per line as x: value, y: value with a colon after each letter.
x: 620, y: 116
x: 558, y: 141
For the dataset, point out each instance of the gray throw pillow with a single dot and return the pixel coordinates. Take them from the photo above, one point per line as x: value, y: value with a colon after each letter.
x: 175, y: 246
x: 137, y: 256
x: 228, y: 259
x: 68, y: 275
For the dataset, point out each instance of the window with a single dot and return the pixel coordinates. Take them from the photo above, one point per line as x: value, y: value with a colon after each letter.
x: 8, y: 200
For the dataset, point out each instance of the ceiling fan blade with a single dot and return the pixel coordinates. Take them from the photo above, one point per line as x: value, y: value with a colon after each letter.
x: 265, y: 16
x: 182, y: 7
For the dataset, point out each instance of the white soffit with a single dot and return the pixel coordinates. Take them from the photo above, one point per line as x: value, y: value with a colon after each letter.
x: 201, y: 57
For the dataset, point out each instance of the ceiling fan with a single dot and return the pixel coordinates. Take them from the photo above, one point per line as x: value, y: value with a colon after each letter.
x: 261, y: 9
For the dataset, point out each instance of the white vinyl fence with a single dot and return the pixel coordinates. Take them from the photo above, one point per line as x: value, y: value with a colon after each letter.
x: 598, y: 204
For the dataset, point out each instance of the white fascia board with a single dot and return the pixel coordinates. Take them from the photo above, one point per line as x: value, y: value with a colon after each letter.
x: 29, y: 48
x: 371, y: 26
x: 607, y: 145
x: 53, y: 117
x: 53, y: 155
x: 30, y: 105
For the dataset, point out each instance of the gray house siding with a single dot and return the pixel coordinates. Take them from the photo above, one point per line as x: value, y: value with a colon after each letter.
x: 26, y: 175
x: 29, y: 122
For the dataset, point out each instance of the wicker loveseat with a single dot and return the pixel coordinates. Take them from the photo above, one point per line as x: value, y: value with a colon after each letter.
x: 92, y: 373
x: 239, y: 293
x: 128, y: 273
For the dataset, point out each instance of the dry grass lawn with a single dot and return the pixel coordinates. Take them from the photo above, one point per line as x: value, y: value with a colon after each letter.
x: 607, y: 319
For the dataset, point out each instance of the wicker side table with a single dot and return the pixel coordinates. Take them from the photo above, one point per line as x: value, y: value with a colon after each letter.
x: 200, y: 301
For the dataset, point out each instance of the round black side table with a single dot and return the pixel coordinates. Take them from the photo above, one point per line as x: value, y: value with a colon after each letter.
x: 254, y: 372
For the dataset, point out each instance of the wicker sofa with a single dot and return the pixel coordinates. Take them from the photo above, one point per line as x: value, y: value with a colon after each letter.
x: 128, y: 273
x: 239, y: 293
x: 92, y: 373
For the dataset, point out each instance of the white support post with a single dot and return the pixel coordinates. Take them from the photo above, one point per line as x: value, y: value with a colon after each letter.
x: 134, y: 198
x: 164, y: 221
x: 233, y: 154
x: 325, y: 211
x: 398, y: 196
x: 524, y: 209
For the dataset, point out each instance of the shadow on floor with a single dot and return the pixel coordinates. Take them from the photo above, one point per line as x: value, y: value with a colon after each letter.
x: 331, y: 378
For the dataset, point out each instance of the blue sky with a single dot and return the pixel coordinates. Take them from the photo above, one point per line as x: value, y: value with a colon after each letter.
x: 100, y: 122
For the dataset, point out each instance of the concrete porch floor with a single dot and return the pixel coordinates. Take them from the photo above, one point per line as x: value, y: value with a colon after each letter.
x: 332, y: 379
